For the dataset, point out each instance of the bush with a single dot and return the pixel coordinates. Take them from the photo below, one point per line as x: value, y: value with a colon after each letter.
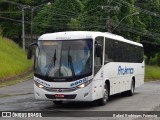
x: 153, y: 61
x: 158, y: 59
x: 1, y: 31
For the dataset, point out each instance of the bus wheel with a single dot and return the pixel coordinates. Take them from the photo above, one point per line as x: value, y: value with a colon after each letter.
x: 104, y: 100
x: 131, y: 91
x: 57, y: 102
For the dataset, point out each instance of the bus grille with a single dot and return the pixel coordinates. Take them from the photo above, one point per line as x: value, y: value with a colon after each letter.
x: 59, y: 89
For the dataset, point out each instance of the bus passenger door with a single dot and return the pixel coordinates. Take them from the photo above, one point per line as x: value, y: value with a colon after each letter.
x: 98, y: 65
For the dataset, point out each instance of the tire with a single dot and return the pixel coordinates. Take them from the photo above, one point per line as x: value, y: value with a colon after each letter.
x: 131, y: 91
x: 104, y: 100
x: 57, y: 102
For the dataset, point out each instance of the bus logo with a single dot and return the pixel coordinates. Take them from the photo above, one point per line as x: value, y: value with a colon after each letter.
x: 125, y: 70
x: 59, y: 90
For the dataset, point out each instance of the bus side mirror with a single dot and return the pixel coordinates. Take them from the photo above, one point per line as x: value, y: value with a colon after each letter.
x: 98, y: 51
x: 29, y: 53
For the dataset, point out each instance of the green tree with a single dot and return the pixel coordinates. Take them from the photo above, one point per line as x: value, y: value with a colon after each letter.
x: 94, y: 16
x: 10, y: 11
x: 11, y: 17
x: 58, y: 16
x: 105, y: 15
x: 130, y: 22
x: 152, y: 22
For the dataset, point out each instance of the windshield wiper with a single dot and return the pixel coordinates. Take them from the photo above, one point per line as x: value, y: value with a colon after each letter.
x: 70, y: 62
x: 51, y: 64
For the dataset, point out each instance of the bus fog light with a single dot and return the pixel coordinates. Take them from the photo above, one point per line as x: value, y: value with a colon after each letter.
x: 86, y: 94
x: 37, y: 94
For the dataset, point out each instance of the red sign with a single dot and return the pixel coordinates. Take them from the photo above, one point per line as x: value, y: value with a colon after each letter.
x: 59, y: 95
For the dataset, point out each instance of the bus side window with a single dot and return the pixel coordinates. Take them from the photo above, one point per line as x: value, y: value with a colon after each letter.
x: 98, y: 54
x: 109, y: 49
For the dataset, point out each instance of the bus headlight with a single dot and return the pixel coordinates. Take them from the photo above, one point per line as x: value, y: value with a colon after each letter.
x: 39, y: 85
x: 84, y: 84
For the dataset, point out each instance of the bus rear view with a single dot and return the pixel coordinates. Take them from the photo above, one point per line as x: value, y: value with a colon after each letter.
x: 70, y: 66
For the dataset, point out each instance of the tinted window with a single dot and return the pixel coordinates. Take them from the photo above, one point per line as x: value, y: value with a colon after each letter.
x: 122, y: 52
x: 98, y: 54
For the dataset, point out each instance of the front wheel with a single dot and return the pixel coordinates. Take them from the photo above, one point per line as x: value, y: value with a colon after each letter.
x: 104, y: 100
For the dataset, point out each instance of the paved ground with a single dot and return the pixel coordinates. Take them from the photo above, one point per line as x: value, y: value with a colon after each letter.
x: 20, y: 97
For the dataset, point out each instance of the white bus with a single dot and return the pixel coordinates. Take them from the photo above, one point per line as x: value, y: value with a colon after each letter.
x: 85, y: 66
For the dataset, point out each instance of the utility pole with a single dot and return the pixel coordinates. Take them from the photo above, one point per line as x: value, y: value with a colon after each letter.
x: 108, y: 24
x: 108, y: 21
x: 108, y: 9
x: 32, y: 23
x: 23, y: 7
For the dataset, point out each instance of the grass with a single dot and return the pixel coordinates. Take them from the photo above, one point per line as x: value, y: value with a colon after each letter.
x: 15, y: 81
x: 152, y: 73
x: 13, y: 60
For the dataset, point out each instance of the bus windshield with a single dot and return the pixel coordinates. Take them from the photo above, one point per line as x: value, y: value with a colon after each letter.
x: 65, y: 58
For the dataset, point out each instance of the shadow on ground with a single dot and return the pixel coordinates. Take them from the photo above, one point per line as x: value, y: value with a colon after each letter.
x: 85, y: 105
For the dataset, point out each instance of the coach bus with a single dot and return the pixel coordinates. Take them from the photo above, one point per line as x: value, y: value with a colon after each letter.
x: 85, y: 66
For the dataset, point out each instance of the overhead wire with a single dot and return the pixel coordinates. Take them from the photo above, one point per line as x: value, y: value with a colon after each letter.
x: 150, y: 34
x: 147, y: 34
x: 65, y: 15
x: 20, y: 21
x: 139, y: 8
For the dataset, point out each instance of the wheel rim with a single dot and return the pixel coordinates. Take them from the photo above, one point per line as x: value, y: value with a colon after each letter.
x: 132, y: 88
x: 105, y: 98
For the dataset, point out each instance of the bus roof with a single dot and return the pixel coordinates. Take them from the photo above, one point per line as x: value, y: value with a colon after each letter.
x: 72, y: 35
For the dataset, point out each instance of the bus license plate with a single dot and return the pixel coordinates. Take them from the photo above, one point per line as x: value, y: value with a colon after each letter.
x: 59, y: 95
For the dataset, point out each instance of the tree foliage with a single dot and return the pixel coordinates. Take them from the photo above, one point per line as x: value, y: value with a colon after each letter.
x: 91, y: 15
x: 58, y: 16
x: 152, y: 22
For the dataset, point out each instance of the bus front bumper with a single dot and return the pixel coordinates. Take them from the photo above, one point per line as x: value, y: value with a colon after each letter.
x: 81, y: 94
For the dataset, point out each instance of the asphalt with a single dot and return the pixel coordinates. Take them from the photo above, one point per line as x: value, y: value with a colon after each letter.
x: 20, y: 97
